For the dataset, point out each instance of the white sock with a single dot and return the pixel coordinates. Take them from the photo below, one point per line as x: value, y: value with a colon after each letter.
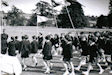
x: 23, y: 62
x: 35, y: 60
x: 66, y: 67
x: 99, y: 66
x: 72, y: 66
x: 45, y: 64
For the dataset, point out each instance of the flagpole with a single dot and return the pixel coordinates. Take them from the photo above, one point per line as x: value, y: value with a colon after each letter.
x: 69, y: 16
x: 54, y: 16
x: 1, y: 24
x: 37, y: 23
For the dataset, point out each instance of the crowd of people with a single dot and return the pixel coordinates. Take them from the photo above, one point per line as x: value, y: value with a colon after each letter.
x: 94, y: 47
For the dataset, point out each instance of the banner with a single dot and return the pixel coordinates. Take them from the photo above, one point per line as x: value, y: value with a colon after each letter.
x: 41, y: 19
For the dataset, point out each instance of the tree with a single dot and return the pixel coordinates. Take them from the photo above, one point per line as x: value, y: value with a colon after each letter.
x: 110, y: 15
x: 33, y: 20
x: 102, y: 21
x: 110, y: 7
x: 76, y: 13
x: 110, y: 20
x: 45, y: 9
x: 42, y: 9
x: 15, y: 17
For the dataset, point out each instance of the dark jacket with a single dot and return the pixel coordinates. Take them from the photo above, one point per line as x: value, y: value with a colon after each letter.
x: 34, y: 46
x: 47, y: 48
x: 4, y: 43
x: 17, y: 44
x: 25, y: 48
x: 67, y: 52
x: 93, y: 49
x: 108, y: 46
x: 11, y: 48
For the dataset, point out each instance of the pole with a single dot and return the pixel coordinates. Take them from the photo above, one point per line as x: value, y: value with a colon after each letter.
x: 37, y: 13
x: 54, y: 17
x: 69, y: 17
x: 1, y: 24
x: 37, y: 24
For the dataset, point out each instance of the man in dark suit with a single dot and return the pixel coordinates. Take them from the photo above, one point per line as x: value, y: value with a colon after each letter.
x: 4, y: 43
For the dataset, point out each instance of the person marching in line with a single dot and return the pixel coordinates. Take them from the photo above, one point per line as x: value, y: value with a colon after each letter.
x: 25, y: 50
x: 47, y: 55
x: 12, y: 47
x: 109, y: 45
x: 56, y: 43
x: 40, y: 41
x: 17, y: 44
x: 111, y: 52
x: 108, y: 50
x: 34, y: 49
x: 93, y: 52
x: 84, y: 51
x: 67, y: 55
x: 101, y: 46
x: 4, y: 43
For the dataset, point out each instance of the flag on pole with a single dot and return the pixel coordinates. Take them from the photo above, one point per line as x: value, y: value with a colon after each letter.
x: 4, y: 3
x: 41, y: 19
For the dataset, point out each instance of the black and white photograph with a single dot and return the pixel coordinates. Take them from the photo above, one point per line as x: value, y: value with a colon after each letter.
x: 55, y: 37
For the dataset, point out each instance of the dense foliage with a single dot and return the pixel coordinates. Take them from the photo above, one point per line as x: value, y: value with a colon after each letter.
x: 77, y: 16
x: 15, y: 17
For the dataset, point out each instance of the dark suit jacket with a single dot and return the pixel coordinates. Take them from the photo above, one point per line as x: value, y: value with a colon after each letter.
x: 47, y: 49
x: 34, y: 46
x: 11, y: 48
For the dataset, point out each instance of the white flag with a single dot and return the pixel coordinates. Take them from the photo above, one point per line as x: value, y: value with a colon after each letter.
x: 41, y: 19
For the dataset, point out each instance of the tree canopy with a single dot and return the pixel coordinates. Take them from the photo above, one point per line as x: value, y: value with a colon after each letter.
x: 76, y: 13
x: 15, y: 17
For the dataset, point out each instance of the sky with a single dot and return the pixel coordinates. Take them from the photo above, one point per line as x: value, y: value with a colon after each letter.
x: 90, y: 7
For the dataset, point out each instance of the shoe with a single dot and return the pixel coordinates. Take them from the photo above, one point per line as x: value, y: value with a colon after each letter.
x: 36, y: 64
x: 47, y: 71
x: 85, y: 73
x: 101, y: 71
x: 91, y: 68
x: 72, y: 73
x: 66, y: 73
x: 77, y: 68
x: 108, y: 68
x: 24, y: 68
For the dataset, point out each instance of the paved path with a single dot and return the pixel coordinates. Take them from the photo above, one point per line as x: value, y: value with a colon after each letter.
x: 57, y: 67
